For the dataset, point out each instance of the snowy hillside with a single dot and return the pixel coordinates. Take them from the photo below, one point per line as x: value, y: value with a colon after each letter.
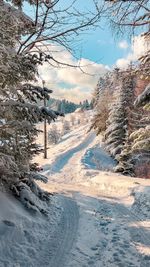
x: 74, y: 189
x: 26, y: 237
x: 95, y: 218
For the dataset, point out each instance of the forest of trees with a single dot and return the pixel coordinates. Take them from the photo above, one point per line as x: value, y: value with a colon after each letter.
x: 24, y: 40
x: 122, y: 98
x: 63, y: 106
x: 66, y: 106
x: 89, y: 216
x: 122, y: 115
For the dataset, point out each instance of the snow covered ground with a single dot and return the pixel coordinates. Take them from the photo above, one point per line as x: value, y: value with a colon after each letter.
x: 96, y: 218
x: 23, y: 238
x: 97, y: 158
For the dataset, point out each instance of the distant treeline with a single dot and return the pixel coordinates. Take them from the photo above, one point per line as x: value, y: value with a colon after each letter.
x: 66, y: 106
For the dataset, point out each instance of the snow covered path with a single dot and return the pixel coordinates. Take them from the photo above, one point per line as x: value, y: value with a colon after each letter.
x: 99, y: 229
x: 65, y: 233
x: 104, y: 233
x: 91, y: 220
x: 107, y: 236
x: 63, y: 159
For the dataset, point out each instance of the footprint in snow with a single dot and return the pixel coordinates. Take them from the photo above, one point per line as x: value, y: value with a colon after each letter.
x: 5, y: 227
x: 115, y: 239
x: 91, y: 262
x: 94, y: 248
x: 8, y: 223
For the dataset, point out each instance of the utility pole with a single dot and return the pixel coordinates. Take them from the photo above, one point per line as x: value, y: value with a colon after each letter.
x: 45, y: 128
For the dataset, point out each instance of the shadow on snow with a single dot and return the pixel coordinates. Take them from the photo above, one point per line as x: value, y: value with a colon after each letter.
x: 62, y: 159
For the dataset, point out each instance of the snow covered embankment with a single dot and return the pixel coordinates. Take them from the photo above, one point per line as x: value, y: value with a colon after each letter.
x: 96, y: 158
x: 141, y: 205
x: 25, y: 237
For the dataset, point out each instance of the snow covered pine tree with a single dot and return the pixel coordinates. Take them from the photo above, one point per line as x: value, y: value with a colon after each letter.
x: 101, y: 102
x: 20, y: 54
x: 19, y: 111
x: 125, y: 161
x: 140, y: 137
x: 118, y: 123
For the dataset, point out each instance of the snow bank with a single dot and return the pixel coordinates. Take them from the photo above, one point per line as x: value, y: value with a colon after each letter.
x: 97, y: 158
x: 25, y: 237
x: 141, y: 205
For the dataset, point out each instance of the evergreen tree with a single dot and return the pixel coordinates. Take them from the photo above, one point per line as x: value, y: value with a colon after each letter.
x: 120, y: 125
x: 62, y: 106
x: 140, y: 137
x: 101, y: 102
x: 98, y: 90
x: 116, y: 125
x: 19, y: 111
x: 101, y: 113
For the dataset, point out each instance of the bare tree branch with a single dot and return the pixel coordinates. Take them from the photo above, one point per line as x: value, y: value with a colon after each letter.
x: 59, y: 25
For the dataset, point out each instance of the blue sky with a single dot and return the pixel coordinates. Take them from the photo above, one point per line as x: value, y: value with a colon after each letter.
x: 101, y: 46
x: 98, y: 45
x: 99, y: 49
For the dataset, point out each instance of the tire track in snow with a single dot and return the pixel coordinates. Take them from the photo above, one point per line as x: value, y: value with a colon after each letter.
x: 65, y: 233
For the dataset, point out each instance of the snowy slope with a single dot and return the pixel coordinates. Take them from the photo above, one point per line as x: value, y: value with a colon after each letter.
x: 96, y: 218
x: 108, y: 233
x: 141, y: 204
x: 25, y: 238
x: 97, y: 158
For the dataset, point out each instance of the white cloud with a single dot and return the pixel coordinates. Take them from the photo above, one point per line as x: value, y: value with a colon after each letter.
x: 123, y: 44
x: 139, y: 47
x: 74, y: 94
x: 74, y: 84
x: 87, y: 78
